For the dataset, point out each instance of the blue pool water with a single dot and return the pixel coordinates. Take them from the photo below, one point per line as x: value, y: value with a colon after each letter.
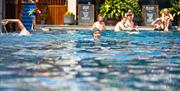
x: 74, y: 61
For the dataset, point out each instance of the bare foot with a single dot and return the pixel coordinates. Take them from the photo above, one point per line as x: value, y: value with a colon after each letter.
x: 166, y: 29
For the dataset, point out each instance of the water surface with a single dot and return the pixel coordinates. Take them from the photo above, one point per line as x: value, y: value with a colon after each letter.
x: 74, y: 61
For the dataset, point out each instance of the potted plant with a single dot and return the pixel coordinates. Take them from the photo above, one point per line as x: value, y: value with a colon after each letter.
x: 115, y: 9
x: 44, y: 15
x: 68, y: 18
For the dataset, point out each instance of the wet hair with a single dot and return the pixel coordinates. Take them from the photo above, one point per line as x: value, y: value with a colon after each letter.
x: 95, y: 29
x: 96, y: 32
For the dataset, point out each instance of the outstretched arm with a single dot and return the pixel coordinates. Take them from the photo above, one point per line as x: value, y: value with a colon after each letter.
x: 23, y: 29
x: 5, y: 21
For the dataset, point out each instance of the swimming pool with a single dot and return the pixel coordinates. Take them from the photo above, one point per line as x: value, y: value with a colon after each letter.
x: 74, y: 61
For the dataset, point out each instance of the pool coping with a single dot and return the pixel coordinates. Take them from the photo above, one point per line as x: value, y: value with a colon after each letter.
x: 80, y: 27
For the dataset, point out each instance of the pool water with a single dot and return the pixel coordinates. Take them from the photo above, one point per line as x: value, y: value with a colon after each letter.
x: 74, y: 61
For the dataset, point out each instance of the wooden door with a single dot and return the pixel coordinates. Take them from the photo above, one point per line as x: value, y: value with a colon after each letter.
x: 53, y: 11
x: 56, y: 14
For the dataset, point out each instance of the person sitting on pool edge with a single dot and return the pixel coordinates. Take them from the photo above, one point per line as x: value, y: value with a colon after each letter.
x: 129, y: 24
x: 21, y: 26
x: 129, y: 19
x: 158, y: 24
x: 120, y: 25
x: 167, y: 18
x: 99, y: 24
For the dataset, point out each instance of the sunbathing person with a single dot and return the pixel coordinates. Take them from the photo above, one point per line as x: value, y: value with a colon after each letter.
x: 158, y: 24
x: 129, y: 24
x: 167, y: 18
x: 21, y: 26
x: 129, y: 16
x: 120, y: 25
x: 99, y: 24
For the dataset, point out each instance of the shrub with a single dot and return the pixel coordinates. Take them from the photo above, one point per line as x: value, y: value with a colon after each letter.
x: 113, y: 9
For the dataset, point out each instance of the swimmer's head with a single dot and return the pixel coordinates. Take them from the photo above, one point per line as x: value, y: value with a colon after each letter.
x: 100, y: 19
x: 96, y: 34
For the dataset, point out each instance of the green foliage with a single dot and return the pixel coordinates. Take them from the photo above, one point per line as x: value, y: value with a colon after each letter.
x: 69, y: 13
x: 44, y: 13
x: 173, y: 1
x: 175, y: 10
x: 116, y: 8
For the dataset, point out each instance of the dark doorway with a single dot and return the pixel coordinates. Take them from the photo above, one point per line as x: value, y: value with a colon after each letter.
x: 10, y: 9
x: 2, y: 11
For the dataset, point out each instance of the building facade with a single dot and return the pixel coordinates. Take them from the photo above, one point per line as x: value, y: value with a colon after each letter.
x: 54, y: 10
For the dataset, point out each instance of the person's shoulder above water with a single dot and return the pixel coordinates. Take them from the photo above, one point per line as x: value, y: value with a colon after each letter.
x: 99, y: 24
x: 120, y: 25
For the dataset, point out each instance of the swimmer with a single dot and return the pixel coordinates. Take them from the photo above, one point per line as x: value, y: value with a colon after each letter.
x: 129, y: 24
x: 129, y: 19
x: 96, y: 34
x: 120, y: 25
x: 99, y: 24
x: 21, y: 26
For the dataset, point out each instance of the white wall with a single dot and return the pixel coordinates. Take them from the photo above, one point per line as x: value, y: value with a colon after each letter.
x: 72, y: 6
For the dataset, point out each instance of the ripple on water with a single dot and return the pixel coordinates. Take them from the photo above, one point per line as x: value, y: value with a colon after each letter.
x: 73, y: 61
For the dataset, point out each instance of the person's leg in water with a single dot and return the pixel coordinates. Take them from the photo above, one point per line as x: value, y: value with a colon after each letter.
x: 21, y: 26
